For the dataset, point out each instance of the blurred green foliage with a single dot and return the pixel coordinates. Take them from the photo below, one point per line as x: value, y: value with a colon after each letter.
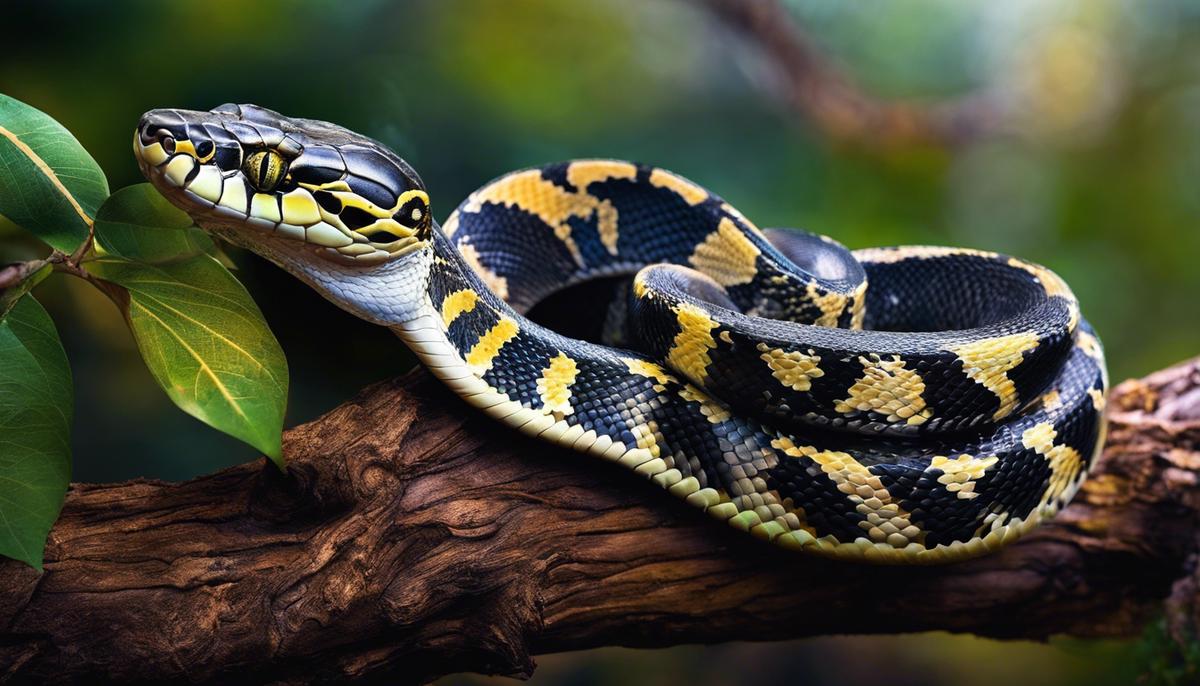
x: 1095, y: 176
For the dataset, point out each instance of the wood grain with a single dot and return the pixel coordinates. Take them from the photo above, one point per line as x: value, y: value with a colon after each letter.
x: 412, y: 537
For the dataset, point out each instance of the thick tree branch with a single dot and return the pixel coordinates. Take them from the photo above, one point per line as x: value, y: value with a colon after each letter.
x: 413, y: 537
x: 819, y: 91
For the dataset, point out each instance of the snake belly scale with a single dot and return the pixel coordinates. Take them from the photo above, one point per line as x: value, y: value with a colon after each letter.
x: 893, y: 405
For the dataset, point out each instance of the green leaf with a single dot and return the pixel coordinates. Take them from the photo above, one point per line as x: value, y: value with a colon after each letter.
x: 206, y: 344
x: 35, y: 430
x: 138, y: 223
x: 48, y: 183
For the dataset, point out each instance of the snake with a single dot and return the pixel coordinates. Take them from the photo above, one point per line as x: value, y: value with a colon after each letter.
x: 899, y: 405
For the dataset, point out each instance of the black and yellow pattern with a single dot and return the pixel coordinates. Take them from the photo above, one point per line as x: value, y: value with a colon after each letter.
x: 914, y: 404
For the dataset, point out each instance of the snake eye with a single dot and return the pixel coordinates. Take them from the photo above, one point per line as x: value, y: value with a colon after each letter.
x: 168, y: 144
x: 265, y: 169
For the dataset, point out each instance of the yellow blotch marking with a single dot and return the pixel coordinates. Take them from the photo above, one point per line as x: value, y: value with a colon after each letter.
x: 584, y: 173
x: 859, y: 305
x: 727, y: 255
x: 646, y: 436
x: 178, y: 168
x: 1065, y: 462
x: 551, y: 203
x: 1053, y: 285
x: 190, y: 148
x: 208, y: 184
x: 480, y: 358
x: 457, y: 304
x: 384, y: 223
x: 639, y: 286
x: 713, y: 411
x: 793, y: 369
x: 299, y: 208
x: 1052, y: 400
x: 339, y: 185
x: 690, y: 192
x: 1098, y: 401
x: 648, y: 369
x: 349, y: 198
x: 830, y: 304
x: 736, y: 214
x: 152, y: 154
x: 1091, y: 347
x: 988, y: 361
x: 554, y: 386
x: 689, y: 351
x: 960, y: 474
x: 710, y: 408
x: 889, y: 389
x: 1051, y: 282
x: 262, y: 206
x: 390, y: 229
x: 498, y: 284
x: 886, y: 522
x: 342, y: 191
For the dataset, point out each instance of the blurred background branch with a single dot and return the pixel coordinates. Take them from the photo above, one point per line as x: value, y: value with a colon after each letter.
x: 812, y: 84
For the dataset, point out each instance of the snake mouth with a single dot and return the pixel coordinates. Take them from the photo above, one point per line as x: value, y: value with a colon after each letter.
x: 260, y: 182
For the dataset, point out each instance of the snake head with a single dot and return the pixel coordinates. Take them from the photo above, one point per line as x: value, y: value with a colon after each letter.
x: 253, y: 175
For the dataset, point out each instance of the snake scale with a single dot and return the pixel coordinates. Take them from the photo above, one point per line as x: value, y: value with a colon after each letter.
x: 935, y: 415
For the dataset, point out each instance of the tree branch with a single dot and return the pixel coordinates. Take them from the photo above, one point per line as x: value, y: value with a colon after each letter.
x: 413, y: 537
x: 814, y: 87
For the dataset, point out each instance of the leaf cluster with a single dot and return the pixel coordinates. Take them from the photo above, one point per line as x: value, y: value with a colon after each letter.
x: 200, y: 334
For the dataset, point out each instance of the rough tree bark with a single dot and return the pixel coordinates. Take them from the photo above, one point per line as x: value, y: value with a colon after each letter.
x: 413, y: 537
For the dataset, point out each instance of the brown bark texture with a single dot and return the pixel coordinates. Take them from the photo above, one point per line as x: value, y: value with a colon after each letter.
x: 412, y: 537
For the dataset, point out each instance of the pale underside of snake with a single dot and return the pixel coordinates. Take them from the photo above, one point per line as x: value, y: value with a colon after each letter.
x: 896, y: 405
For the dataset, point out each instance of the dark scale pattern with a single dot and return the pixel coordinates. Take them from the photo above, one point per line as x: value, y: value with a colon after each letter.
x: 607, y: 398
x: 516, y: 369
x: 922, y: 295
x: 740, y: 377
x: 924, y: 303
x: 946, y: 293
x: 954, y: 410
x: 656, y: 224
x: 711, y: 451
x: 469, y: 327
x: 556, y: 173
x: 826, y: 509
x: 519, y: 247
x: 1037, y: 371
x: 960, y: 338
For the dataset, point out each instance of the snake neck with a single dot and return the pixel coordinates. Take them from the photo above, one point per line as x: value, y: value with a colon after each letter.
x: 389, y: 293
x: 459, y: 322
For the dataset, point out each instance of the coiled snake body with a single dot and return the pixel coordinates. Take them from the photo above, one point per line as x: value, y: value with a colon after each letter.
x: 937, y: 414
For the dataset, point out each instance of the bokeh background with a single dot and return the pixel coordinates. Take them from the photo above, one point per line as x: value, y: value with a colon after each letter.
x: 1081, y: 150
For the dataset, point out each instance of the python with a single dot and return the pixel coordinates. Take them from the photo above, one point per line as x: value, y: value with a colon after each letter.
x: 893, y: 405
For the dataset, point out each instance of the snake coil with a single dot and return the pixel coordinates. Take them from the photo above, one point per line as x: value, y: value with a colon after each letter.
x: 898, y: 405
